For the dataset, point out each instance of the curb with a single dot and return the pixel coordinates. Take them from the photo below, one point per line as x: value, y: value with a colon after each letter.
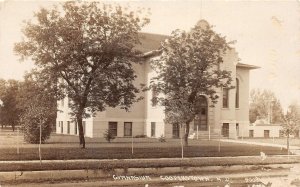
x: 142, y: 159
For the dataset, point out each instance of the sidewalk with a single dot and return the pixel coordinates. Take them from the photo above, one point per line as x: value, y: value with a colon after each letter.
x: 294, y: 149
x: 213, y: 171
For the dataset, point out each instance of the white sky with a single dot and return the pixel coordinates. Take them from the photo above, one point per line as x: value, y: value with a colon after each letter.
x: 267, y: 35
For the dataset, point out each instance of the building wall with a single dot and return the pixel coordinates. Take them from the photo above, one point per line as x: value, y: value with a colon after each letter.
x: 258, y: 131
x: 153, y: 113
x: 242, y: 113
x: 99, y: 127
x: 141, y: 114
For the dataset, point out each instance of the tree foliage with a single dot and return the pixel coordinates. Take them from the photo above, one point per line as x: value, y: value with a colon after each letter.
x: 87, y: 49
x: 187, y: 70
x: 264, y: 104
x: 291, y: 122
x: 37, y: 103
x: 10, y: 113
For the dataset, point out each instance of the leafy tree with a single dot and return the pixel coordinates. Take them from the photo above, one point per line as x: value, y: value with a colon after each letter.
x: 10, y: 114
x: 263, y: 105
x: 187, y: 69
x: 37, y: 103
x: 291, y: 122
x: 88, y: 50
x: 2, y: 91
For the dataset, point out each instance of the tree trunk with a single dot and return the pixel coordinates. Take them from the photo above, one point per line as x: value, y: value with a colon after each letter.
x: 186, y: 135
x: 80, y: 129
x: 13, y: 127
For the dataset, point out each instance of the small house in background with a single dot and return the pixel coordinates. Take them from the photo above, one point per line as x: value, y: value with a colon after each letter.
x: 263, y: 129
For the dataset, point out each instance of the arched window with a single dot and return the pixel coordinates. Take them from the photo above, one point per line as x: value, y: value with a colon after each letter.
x: 237, y: 94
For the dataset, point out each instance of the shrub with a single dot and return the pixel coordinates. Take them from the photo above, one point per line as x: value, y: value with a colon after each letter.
x: 162, y: 139
x: 108, y: 136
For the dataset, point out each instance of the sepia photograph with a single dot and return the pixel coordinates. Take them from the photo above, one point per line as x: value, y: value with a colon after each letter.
x: 158, y: 93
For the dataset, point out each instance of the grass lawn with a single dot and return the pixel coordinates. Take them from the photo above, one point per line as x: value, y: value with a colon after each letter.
x: 280, y: 141
x: 67, y: 147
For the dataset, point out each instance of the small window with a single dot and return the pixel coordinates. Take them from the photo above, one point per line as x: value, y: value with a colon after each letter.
x: 154, y: 96
x: 225, y: 97
x: 251, y: 133
x: 237, y: 94
x: 113, y: 128
x: 128, y: 129
x: 267, y: 133
x: 153, y: 129
x: 68, y: 127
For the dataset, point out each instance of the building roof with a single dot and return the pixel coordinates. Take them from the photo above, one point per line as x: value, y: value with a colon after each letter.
x: 247, y: 66
x: 264, y: 122
x: 150, y: 44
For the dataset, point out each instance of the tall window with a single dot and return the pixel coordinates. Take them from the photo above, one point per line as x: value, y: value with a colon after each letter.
x: 127, y: 128
x: 225, y: 97
x: 176, y: 130
x: 225, y: 130
x: 68, y: 127
x: 154, y: 96
x: 75, y: 127
x: 84, y: 126
x: 153, y: 129
x: 237, y: 94
x: 113, y: 128
x: 62, y: 102
x: 200, y: 121
x: 62, y: 127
